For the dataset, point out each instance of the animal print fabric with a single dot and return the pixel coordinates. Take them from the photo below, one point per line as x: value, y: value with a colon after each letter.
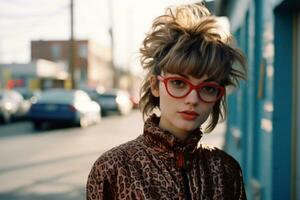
x: 147, y: 168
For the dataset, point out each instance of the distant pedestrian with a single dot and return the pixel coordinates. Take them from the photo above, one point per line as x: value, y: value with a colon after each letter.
x: 190, y: 60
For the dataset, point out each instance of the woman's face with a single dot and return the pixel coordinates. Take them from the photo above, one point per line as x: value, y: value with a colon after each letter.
x: 180, y: 116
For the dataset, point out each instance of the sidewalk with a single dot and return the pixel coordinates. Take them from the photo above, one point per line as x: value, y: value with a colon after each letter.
x: 216, y: 137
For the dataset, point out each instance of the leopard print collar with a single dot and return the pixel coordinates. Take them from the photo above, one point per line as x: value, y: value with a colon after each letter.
x: 165, y: 141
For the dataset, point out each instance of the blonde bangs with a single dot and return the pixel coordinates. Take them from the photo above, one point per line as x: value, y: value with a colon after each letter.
x: 211, y: 60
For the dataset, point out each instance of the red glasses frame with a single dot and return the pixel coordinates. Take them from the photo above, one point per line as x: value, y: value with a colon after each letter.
x: 192, y: 87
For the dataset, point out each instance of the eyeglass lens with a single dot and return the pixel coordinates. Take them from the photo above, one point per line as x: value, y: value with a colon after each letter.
x: 180, y: 88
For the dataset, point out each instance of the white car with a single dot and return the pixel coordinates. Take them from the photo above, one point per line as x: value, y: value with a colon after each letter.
x: 12, y: 105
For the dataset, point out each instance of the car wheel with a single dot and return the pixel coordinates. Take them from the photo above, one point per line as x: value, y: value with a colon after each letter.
x: 103, y: 113
x: 7, y: 118
x: 37, y: 125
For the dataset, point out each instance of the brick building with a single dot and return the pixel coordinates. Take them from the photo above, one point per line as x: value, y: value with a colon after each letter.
x: 92, y: 61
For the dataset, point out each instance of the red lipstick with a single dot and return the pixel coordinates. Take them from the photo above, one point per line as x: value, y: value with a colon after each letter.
x: 188, y: 115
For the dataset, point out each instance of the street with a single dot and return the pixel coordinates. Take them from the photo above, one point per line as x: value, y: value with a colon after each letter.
x: 54, y: 164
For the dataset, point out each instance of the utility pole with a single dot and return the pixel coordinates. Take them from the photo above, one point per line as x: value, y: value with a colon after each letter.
x: 115, y: 72
x: 72, y: 47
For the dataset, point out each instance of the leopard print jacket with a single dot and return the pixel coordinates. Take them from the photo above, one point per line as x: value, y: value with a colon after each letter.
x: 157, y: 165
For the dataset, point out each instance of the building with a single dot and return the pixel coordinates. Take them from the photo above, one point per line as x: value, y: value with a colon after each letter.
x: 37, y: 75
x: 92, y: 61
x: 263, y: 131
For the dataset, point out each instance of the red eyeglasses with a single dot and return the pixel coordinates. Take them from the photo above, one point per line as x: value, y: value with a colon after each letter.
x: 178, y: 87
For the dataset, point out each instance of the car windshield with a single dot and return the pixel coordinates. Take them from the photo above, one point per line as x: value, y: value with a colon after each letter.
x: 107, y: 96
x: 57, y: 96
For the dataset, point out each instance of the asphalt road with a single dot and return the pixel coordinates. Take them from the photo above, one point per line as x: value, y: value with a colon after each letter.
x: 54, y: 164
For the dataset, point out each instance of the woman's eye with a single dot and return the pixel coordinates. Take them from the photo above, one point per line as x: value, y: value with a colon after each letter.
x: 210, y: 90
x: 178, y: 83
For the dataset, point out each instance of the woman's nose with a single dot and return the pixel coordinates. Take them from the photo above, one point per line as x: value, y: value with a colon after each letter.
x: 192, y: 98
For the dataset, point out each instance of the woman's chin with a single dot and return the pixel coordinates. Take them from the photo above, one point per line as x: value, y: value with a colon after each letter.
x: 188, y: 126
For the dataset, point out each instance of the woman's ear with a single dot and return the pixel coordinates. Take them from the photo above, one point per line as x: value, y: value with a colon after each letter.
x: 154, y: 86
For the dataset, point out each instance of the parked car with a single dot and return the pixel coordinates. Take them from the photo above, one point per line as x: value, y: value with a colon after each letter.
x: 29, y: 97
x: 93, y: 93
x: 64, y: 106
x: 12, y: 105
x: 115, y: 101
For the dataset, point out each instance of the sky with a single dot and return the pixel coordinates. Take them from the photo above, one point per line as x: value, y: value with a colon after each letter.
x: 24, y: 20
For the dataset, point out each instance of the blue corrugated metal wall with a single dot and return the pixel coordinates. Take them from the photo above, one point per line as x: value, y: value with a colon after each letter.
x: 282, y: 104
x: 259, y: 131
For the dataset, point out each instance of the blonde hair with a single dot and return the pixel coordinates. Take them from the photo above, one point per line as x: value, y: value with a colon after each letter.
x: 188, y: 40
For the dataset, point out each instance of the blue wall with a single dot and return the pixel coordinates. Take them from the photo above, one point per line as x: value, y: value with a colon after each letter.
x: 282, y: 104
x: 260, y: 112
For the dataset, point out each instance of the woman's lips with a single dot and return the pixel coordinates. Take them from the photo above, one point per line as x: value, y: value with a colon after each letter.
x: 188, y: 115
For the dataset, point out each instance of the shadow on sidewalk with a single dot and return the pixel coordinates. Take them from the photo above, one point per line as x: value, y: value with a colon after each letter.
x: 74, y: 194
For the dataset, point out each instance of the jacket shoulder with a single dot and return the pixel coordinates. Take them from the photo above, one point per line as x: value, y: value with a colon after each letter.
x: 117, y: 156
x: 215, y: 156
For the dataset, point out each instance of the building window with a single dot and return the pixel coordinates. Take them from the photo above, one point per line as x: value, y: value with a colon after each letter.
x: 82, y: 51
x: 56, y: 51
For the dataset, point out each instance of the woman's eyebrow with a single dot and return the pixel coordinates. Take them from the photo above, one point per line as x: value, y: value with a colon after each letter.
x: 183, y: 75
x: 211, y: 80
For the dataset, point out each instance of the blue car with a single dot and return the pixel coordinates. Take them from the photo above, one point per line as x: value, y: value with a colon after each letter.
x: 64, y: 106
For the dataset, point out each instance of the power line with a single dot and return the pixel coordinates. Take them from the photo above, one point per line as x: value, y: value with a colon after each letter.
x: 27, y: 3
x: 8, y: 16
x: 29, y: 27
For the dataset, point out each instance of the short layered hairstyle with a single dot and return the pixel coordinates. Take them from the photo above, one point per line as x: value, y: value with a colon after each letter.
x: 189, y: 40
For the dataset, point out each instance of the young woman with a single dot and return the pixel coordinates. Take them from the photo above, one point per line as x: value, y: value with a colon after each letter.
x: 190, y: 60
